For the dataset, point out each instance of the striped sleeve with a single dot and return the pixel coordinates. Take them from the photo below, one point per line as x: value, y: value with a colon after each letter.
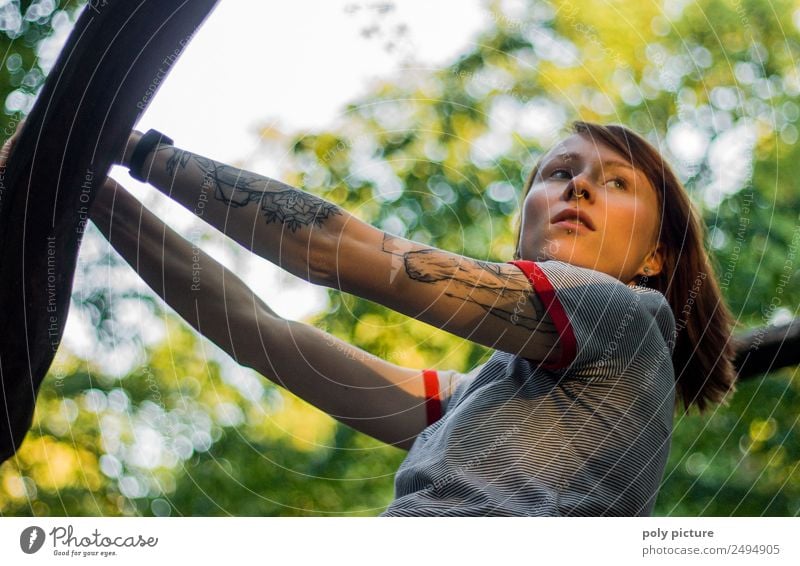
x: 443, y: 389
x: 602, y: 323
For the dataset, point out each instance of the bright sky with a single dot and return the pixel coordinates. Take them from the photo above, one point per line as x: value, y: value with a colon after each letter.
x: 292, y: 65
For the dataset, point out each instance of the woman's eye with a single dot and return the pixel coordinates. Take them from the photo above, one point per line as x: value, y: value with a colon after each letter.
x: 618, y: 183
x: 558, y: 172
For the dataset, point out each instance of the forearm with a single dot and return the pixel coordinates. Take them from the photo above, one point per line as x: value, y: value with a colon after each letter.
x: 306, y: 235
x: 359, y: 389
x: 291, y: 228
x: 197, y: 287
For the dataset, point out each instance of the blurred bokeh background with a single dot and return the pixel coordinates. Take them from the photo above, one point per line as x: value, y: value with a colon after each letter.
x: 431, y: 138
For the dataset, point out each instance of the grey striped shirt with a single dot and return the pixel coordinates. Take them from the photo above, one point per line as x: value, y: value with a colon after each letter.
x: 588, y: 436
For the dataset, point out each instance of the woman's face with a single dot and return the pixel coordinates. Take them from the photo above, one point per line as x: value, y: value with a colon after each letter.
x: 618, y: 203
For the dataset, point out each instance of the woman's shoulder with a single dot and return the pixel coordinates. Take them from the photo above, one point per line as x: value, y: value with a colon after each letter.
x: 571, y: 275
x: 658, y: 305
x: 597, y: 295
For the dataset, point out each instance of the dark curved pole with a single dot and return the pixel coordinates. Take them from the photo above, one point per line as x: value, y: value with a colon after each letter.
x: 767, y: 348
x: 118, y: 54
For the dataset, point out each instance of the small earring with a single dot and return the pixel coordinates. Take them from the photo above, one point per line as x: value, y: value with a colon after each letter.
x: 646, y: 270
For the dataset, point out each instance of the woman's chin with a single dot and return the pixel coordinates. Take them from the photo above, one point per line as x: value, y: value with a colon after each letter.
x: 561, y: 249
x: 559, y: 245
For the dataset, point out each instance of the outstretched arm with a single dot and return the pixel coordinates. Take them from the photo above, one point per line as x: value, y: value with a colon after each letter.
x: 378, y: 398
x: 492, y: 304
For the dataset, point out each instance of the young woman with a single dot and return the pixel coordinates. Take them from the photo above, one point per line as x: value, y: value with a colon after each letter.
x: 607, y: 317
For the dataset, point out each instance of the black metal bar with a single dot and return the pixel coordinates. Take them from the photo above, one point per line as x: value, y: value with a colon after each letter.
x: 118, y: 54
x: 767, y: 348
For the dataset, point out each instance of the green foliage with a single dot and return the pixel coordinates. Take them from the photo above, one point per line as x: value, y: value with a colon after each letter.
x: 24, y: 26
x: 182, y: 435
x: 741, y: 461
x: 440, y: 156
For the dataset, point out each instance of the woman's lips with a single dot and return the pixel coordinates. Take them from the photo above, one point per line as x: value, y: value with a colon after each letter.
x: 574, y: 217
x: 572, y: 225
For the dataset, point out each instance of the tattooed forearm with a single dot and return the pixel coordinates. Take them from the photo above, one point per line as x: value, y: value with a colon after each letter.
x: 279, y: 203
x: 507, y: 296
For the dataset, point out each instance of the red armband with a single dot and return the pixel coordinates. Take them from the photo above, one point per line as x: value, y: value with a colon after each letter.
x: 433, y: 402
x: 544, y: 289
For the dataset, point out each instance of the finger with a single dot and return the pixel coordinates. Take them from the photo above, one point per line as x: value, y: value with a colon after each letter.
x: 5, y: 151
x: 20, y: 126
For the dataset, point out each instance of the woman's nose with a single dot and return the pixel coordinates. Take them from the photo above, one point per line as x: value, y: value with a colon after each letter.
x: 579, y: 187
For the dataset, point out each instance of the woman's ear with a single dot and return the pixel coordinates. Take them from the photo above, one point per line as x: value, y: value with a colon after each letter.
x: 654, y: 262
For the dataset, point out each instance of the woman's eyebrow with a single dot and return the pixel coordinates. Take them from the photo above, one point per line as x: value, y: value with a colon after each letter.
x: 570, y: 156
x: 565, y: 157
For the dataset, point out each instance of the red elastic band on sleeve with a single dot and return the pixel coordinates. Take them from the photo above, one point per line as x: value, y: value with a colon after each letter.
x: 433, y: 402
x: 544, y: 289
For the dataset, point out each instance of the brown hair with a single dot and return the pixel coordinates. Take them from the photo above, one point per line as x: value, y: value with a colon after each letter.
x: 703, y: 353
